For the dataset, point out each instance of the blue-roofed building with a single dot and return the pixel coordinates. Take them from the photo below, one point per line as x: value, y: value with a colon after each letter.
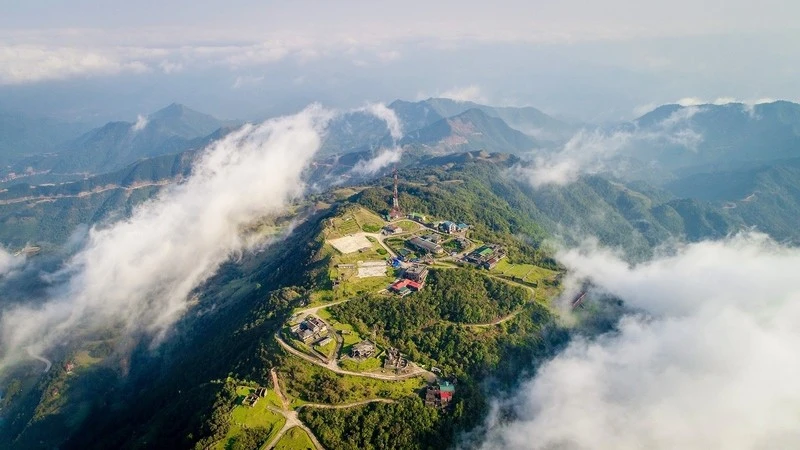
x: 462, y: 227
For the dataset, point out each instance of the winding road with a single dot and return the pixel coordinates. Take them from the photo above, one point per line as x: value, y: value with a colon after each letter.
x: 41, y: 358
x: 333, y: 366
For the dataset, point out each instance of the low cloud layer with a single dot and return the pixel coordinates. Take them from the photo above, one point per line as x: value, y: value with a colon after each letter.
x: 137, y: 274
x: 594, y: 151
x: 710, y: 362
x: 8, y: 262
x: 384, y: 156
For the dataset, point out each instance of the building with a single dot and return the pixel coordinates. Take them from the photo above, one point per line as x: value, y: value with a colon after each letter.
x: 325, y: 341
x: 487, y: 256
x: 462, y: 227
x: 416, y: 273
x: 310, y: 330
x: 405, y: 286
x: 448, y: 227
x: 440, y: 394
x: 261, y: 392
x: 433, y: 237
x: 425, y: 246
x: 392, y: 229
x: 417, y: 217
x: 395, y: 361
x: 363, y: 350
x: 250, y: 400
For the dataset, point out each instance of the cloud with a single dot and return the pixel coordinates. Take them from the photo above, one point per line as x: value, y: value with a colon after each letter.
x: 709, y: 361
x: 33, y: 63
x: 471, y: 93
x: 384, y: 157
x: 141, y: 123
x: 586, y: 152
x: 247, y: 80
x: 388, y: 115
x: 594, y: 151
x: 9, y: 262
x: 137, y: 274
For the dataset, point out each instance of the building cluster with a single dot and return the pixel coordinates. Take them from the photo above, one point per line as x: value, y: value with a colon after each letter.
x: 486, y: 256
x: 395, y: 361
x: 452, y: 227
x: 252, y: 398
x: 425, y: 246
x: 439, y: 394
x: 363, y: 350
x: 310, y: 330
x: 413, y: 280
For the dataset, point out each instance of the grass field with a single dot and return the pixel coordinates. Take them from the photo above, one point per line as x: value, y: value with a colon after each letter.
x: 408, y: 226
x: 295, y: 439
x: 353, y: 221
x: 252, y: 417
x: 527, y: 273
x: 360, y: 366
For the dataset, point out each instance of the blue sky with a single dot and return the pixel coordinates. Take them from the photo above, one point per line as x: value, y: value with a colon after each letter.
x: 592, y: 60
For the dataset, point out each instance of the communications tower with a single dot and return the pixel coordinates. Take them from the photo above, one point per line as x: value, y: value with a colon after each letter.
x: 396, y: 212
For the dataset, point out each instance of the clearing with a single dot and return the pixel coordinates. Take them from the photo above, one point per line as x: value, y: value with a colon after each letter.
x: 351, y: 244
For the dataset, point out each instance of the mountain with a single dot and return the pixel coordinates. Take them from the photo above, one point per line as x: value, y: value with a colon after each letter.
x: 21, y: 135
x: 115, y: 145
x: 470, y: 130
x: 708, y: 138
x: 766, y: 197
x: 360, y: 131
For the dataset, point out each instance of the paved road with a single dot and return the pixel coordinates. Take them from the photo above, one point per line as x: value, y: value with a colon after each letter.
x: 291, y: 417
x: 346, y: 405
x: 333, y: 366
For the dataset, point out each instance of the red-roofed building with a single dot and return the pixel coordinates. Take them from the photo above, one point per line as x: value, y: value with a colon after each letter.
x: 405, y: 286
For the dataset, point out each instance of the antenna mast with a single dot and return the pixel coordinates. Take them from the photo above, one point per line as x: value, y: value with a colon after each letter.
x: 396, y: 212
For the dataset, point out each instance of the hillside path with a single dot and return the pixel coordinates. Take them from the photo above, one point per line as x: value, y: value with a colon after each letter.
x: 291, y: 417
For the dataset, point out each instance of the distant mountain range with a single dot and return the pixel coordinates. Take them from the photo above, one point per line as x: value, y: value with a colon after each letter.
x: 115, y: 145
x: 721, y: 137
x: 442, y: 125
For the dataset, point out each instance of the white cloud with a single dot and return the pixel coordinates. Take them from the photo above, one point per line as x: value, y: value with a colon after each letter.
x: 710, y: 362
x: 586, y: 152
x: 388, y: 115
x: 141, y: 123
x: 32, y: 63
x: 471, y: 93
x: 9, y: 262
x: 245, y: 80
x: 384, y: 157
x: 136, y: 274
x: 592, y: 151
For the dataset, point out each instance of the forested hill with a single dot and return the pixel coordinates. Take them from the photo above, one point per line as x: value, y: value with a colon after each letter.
x: 635, y: 218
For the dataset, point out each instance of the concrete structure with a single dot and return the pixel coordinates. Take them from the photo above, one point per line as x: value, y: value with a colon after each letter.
x: 325, y: 341
x: 310, y: 330
x: 416, y: 273
x: 448, y: 227
x: 363, y: 350
x: 487, y: 256
x: 395, y: 361
x: 392, y: 229
x: 425, y: 246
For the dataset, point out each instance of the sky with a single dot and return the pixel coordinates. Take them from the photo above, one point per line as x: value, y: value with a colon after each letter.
x: 596, y: 61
